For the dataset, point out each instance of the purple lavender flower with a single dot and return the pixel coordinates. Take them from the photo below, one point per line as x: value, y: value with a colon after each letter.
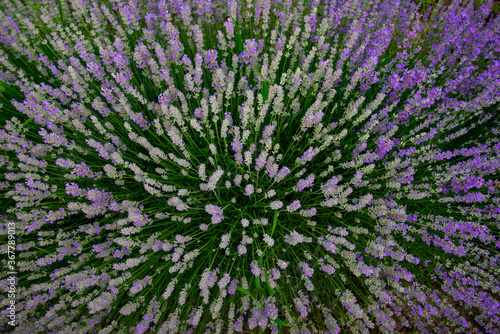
x: 249, y: 190
x: 275, y: 205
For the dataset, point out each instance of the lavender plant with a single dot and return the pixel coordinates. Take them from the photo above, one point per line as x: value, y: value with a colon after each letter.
x: 267, y: 166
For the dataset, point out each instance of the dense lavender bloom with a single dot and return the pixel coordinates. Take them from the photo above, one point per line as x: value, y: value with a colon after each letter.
x: 209, y: 166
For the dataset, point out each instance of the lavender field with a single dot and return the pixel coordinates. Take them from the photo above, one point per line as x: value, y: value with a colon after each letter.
x: 249, y: 166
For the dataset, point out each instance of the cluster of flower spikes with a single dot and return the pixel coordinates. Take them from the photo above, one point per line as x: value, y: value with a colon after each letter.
x: 207, y: 166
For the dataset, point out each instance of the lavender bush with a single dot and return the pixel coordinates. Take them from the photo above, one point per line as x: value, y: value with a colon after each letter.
x: 232, y: 166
